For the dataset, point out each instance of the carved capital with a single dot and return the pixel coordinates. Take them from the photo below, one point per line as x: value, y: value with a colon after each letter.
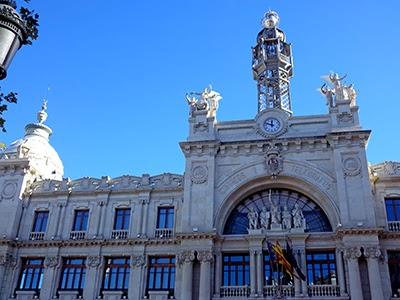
x: 205, y: 256
x: 373, y: 252
x: 8, y: 260
x: 186, y: 257
x: 138, y: 261
x: 93, y: 261
x: 51, y: 261
x: 352, y: 253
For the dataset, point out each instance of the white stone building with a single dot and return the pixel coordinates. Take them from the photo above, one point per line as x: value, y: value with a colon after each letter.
x: 248, y: 185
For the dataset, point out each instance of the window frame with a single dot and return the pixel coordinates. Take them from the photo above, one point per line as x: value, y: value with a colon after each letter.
x: 126, y: 218
x: 312, y: 280
x: 75, y: 267
x: 273, y: 271
x: 76, y: 215
x: 35, y: 220
x: 152, y: 272
x: 394, y: 263
x: 25, y: 267
x: 395, y: 208
x: 107, y: 284
x: 170, y: 211
x: 244, y: 272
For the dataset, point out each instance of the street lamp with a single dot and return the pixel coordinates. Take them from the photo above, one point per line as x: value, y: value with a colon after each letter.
x: 13, y: 34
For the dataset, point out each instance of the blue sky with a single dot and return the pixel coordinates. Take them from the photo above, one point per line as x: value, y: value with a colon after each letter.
x: 119, y: 70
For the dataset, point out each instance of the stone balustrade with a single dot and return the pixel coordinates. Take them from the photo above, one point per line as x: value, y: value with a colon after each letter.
x: 235, y: 291
x: 274, y: 290
x: 77, y: 235
x: 323, y: 290
x: 36, y: 236
x: 394, y: 225
x: 119, y: 234
x: 164, y: 233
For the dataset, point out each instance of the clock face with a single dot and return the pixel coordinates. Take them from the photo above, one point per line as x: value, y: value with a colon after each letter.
x: 272, y: 125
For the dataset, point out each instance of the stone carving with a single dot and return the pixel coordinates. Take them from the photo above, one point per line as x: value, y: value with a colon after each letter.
x: 93, y: 261
x: 51, y: 261
x: 186, y: 256
x: 208, y: 100
x: 274, y: 161
x: 286, y: 218
x: 199, y: 174
x: 337, y: 91
x: 9, y: 189
x: 7, y: 260
x: 205, y: 256
x: 42, y: 114
x: 373, y: 252
x: 351, y: 166
x: 352, y: 253
x: 265, y: 216
x: 345, y: 118
x: 275, y: 214
x: 298, y: 218
x: 138, y: 261
x: 252, y: 216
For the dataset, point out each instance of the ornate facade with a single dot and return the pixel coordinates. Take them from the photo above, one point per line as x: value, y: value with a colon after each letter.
x: 301, y: 182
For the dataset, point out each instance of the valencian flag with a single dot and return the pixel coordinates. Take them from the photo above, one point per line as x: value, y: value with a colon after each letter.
x: 282, y: 260
x: 292, y: 260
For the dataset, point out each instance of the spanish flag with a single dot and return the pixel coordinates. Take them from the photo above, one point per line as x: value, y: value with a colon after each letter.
x: 281, y: 259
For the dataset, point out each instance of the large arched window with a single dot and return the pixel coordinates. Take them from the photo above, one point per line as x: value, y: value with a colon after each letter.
x: 316, y: 220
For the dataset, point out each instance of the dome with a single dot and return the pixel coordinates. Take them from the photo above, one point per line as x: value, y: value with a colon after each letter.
x: 35, y: 147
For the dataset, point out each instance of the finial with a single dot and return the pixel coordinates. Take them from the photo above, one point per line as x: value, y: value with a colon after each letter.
x: 42, y: 114
x: 271, y: 19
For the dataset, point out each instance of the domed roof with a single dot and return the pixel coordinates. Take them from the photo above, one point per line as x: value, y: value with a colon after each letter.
x: 35, y: 147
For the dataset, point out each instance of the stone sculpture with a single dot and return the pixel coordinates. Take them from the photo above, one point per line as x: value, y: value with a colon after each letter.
x: 298, y: 217
x: 337, y: 91
x: 253, y: 219
x: 264, y: 218
x: 208, y: 100
x: 286, y: 218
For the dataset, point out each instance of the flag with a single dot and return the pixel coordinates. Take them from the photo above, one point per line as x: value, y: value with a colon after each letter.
x: 293, y: 262
x: 271, y: 253
x: 281, y: 259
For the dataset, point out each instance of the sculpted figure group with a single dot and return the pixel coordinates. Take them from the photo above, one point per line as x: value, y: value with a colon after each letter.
x: 337, y: 91
x: 207, y: 100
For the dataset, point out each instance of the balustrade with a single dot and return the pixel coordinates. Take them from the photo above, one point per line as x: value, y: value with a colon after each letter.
x: 119, y: 234
x: 323, y: 290
x: 36, y: 236
x: 394, y: 225
x: 279, y: 290
x: 235, y: 291
x: 77, y: 235
x: 164, y: 233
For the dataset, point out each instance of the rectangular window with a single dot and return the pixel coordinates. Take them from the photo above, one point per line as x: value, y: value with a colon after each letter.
x: 236, y: 268
x: 31, y: 274
x: 394, y: 270
x: 80, y: 220
x: 40, y: 221
x: 165, y: 217
x: 274, y: 272
x: 321, y: 267
x: 73, y: 274
x: 122, y: 218
x: 161, y: 274
x: 116, y: 275
x: 392, y: 209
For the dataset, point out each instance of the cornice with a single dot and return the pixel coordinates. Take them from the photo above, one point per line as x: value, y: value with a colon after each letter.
x: 358, y: 231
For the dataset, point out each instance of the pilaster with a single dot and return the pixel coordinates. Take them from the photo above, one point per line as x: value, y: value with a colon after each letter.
x: 352, y: 255
x: 373, y: 254
x: 136, y: 284
x: 94, y: 265
x: 205, y: 258
x: 51, y: 264
x: 185, y: 259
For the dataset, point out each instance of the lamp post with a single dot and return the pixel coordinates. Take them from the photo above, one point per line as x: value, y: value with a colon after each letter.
x: 13, y: 34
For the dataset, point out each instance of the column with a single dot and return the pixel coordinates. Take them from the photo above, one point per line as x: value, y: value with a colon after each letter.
x: 205, y: 258
x: 352, y: 255
x: 252, y: 273
x: 340, y: 272
x: 218, y: 274
x: 53, y: 233
x: 303, y: 264
x: 145, y: 216
x: 375, y: 282
x: 49, y: 277
x: 136, y: 278
x: 3, y: 265
x: 59, y: 232
x: 186, y: 259
x: 15, y: 269
x: 93, y: 268
x: 100, y: 229
x: 260, y: 273
x: 297, y: 284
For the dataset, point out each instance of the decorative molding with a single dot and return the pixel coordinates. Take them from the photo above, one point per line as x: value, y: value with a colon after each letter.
x: 386, y: 169
x: 138, y: 261
x: 10, y: 188
x: 205, y: 256
x: 273, y: 161
x: 352, y: 253
x: 199, y: 174
x: 373, y: 252
x: 93, y: 261
x: 187, y: 256
x: 345, y: 118
x: 51, y: 261
x: 351, y: 166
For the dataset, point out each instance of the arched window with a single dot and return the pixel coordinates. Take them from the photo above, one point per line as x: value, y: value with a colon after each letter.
x: 316, y: 220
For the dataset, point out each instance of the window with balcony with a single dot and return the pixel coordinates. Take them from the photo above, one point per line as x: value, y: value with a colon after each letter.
x: 236, y: 270
x: 165, y: 222
x: 31, y: 274
x: 116, y: 274
x: 121, y: 223
x: 321, y: 268
x: 39, y: 225
x: 73, y: 274
x: 393, y: 213
x: 274, y: 273
x: 80, y: 224
x: 161, y: 274
x: 394, y: 271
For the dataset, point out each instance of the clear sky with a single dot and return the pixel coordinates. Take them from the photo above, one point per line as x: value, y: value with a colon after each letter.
x: 119, y: 71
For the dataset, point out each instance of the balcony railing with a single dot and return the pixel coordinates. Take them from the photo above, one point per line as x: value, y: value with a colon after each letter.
x: 280, y: 290
x: 36, y: 236
x: 119, y: 234
x: 394, y: 225
x: 235, y: 291
x: 325, y: 290
x: 164, y: 233
x: 77, y: 235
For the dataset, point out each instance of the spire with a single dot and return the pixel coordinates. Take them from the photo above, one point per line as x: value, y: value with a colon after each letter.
x: 272, y: 65
x: 39, y: 128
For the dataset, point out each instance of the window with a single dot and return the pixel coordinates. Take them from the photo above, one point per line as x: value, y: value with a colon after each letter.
x: 80, y: 220
x: 31, y: 274
x: 165, y: 217
x: 161, y: 274
x: 321, y: 267
x: 73, y: 274
x: 116, y: 275
x: 122, y: 217
x: 392, y: 209
x: 394, y: 270
x: 236, y: 269
x: 274, y: 273
x: 40, y: 221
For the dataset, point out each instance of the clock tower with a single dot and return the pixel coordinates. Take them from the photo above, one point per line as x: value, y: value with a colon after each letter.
x: 272, y: 66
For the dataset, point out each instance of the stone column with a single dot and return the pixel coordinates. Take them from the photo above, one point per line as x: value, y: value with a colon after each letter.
x: 49, y: 277
x: 54, y: 233
x: 93, y: 267
x: 218, y: 274
x: 297, y: 283
x: 352, y: 255
x: 186, y: 260
x: 14, y: 265
x: 99, y: 228
x: 205, y: 258
x: 303, y: 264
x: 3, y: 265
x: 375, y: 283
x: 260, y: 273
x: 135, y: 290
x: 145, y: 216
x: 253, y: 276
x: 59, y: 231
x: 340, y: 272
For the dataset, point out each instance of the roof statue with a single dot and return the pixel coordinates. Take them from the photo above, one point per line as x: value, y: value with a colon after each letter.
x: 208, y: 100
x: 271, y: 19
x: 335, y: 90
x: 42, y: 114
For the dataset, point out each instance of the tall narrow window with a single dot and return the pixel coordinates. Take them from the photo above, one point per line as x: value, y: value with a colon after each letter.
x: 80, y: 220
x: 161, y: 274
x: 394, y: 270
x: 236, y: 269
x: 40, y: 221
x: 165, y: 217
x: 274, y: 272
x: 31, y: 274
x: 116, y: 275
x: 122, y: 218
x: 73, y: 274
x: 321, y: 267
x: 392, y: 209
